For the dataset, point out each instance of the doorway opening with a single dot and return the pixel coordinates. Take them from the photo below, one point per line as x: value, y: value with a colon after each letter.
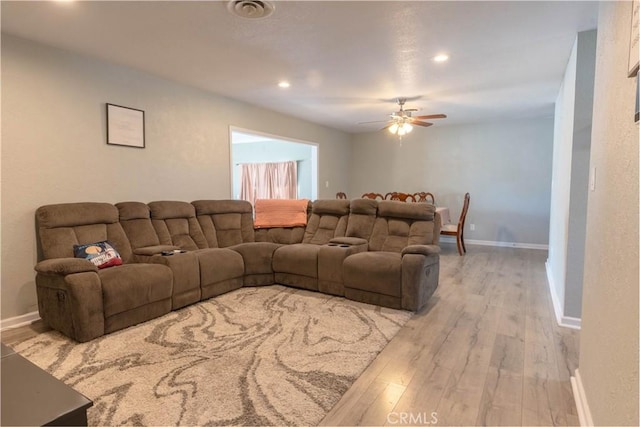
x: 249, y: 146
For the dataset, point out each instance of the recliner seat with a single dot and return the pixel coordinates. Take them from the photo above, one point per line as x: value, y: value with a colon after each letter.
x: 401, y: 267
x: 229, y: 224
x: 80, y: 300
x: 221, y: 270
x: 297, y: 264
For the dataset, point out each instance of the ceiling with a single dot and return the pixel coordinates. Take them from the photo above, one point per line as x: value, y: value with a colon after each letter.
x: 346, y: 61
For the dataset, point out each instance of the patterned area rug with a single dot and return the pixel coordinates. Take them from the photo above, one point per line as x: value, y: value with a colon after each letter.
x: 256, y: 356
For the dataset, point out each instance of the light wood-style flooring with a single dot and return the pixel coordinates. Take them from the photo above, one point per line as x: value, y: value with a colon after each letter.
x: 485, y: 351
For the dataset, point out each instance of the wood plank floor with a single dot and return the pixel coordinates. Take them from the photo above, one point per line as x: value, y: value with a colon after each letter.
x: 485, y: 351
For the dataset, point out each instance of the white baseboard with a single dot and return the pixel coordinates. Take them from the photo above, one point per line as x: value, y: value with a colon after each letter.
x: 584, y: 413
x: 448, y: 239
x: 16, y: 322
x: 564, y: 321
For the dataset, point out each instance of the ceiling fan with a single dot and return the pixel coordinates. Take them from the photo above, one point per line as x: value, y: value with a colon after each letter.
x: 402, y: 121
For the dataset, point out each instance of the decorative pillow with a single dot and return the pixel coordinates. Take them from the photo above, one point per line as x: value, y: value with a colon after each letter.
x: 101, y: 254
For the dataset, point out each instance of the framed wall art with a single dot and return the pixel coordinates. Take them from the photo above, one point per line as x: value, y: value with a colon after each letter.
x: 125, y: 126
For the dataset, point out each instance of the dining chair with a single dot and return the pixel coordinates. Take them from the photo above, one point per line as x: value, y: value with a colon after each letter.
x: 341, y: 195
x: 403, y: 197
x: 423, y: 197
x: 457, y: 230
x: 373, y: 196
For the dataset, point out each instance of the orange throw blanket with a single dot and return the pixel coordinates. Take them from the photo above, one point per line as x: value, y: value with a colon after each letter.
x: 280, y: 213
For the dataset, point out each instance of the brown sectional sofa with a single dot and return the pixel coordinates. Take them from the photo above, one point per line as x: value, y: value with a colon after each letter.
x: 379, y: 252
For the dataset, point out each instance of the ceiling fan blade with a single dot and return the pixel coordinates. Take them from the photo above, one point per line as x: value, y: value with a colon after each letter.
x: 375, y: 121
x: 432, y: 116
x: 410, y: 109
x: 425, y: 124
x: 387, y: 126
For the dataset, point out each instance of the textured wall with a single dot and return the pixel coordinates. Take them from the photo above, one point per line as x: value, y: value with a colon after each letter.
x: 609, y: 338
x: 569, y: 188
x: 561, y: 182
x: 505, y: 166
x: 54, y: 146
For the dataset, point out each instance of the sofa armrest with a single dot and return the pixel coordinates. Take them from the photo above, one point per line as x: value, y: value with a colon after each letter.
x: 64, y: 266
x: 425, y: 250
x: 73, y: 303
x: 154, y: 250
x: 351, y: 241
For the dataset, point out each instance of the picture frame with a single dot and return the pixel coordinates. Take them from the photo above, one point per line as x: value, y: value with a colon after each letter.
x: 634, y: 46
x: 125, y: 126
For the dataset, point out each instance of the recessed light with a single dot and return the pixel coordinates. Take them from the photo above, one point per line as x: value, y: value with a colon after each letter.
x: 442, y: 57
x: 284, y: 84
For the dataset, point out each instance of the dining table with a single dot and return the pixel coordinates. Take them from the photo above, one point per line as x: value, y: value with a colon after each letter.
x: 445, y: 215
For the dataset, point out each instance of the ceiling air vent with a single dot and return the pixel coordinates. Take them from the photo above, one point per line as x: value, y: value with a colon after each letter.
x: 251, y: 9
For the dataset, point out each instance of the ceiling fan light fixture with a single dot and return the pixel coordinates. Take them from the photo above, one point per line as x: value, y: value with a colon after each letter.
x: 442, y: 57
x: 400, y: 128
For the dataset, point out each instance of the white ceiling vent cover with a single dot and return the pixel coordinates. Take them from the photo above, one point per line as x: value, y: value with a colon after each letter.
x: 251, y: 9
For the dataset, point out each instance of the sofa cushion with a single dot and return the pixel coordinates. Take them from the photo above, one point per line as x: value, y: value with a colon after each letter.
x: 176, y: 224
x: 328, y: 220
x: 257, y: 256
x: 378, y: 272
x: 362, y: 217
x: 301, y: 259
x: 76, y: 214
x: 225, y: 222
x: 62, y: 226
x: 401, y: 224
x: 337, y: 207
x: 415, y: 211
x: 213, y: 207
x: 135, y: 218
x: 217, y: 265
x: 286, y: 236
x: 133, y: 285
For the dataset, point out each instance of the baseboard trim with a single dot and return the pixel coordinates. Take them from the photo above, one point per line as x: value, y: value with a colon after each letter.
x: 448, y: 239
x: 584, y: 413
x: 16, y: 322
x: 561, y: 319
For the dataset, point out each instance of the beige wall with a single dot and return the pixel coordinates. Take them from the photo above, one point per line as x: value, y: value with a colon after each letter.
x: 54, y: 146
x: 570, y: 182
x: 505, y: 166
x: 609, y: 338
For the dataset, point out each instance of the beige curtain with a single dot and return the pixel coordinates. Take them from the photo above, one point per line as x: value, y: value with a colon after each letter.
x: 269, y: 181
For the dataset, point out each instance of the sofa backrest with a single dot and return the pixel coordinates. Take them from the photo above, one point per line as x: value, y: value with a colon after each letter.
x: 135, y: 218
x: 328, y: 220
x: 176, y: 224
x: 362, y: 217
x: 225, y: 222
x: 401, y: 224
x: 62, y: 226
x: 282, y: 235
